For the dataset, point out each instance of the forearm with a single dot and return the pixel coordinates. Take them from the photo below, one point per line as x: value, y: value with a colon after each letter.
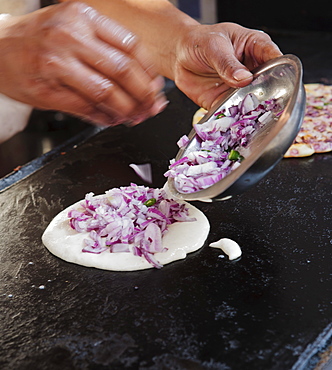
x: 158, y: 23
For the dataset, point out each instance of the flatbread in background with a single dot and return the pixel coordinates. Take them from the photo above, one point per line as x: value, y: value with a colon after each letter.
x: 315, y: 135
x: 199, y: 114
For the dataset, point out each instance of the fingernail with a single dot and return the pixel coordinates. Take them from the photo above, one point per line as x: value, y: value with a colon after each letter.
x: 163, y: 105
x: 241, y: 74
x: 159, y: 106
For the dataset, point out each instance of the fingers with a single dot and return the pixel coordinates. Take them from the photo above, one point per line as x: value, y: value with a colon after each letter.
x: 244, y: 50
x: 72, y: 103
x: 118, y: 75
x: 220, y: 56
x: 78, y: 90
x: 116, y: 54
x: 123, y: 40
x: 259, y: 49
x: 224, y: 60
x: 93, y: 62
x: 122, y: 71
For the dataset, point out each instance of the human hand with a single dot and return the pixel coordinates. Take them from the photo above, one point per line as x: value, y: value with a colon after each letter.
x: 70, y: 58
x: 212, y: 58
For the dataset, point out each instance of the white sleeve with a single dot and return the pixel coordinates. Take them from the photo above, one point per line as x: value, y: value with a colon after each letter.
x: 14, y: 117
x: 19, y: 7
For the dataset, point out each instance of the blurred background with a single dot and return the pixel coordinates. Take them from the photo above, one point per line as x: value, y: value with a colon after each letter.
x: 262, y: 14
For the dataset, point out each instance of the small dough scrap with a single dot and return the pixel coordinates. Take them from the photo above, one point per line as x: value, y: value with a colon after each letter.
x: 229, y: 247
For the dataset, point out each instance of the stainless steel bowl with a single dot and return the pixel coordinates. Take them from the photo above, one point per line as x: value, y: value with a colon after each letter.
x: 278, y: 78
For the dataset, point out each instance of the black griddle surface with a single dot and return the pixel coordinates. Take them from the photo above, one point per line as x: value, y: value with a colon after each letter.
x: 271, y: 309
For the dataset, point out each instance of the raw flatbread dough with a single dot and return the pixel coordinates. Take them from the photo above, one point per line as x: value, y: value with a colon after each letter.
x: 182, y: 238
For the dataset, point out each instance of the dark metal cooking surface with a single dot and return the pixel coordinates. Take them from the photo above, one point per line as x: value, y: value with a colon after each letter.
x: 269, y: 310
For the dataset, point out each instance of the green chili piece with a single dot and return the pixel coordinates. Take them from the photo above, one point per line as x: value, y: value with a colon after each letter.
x: 220, y: 115
x: 234, y: 155
x: 150, y: 202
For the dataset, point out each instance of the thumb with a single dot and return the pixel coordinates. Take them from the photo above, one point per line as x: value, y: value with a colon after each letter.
x: 232, y: 71
x: 225, y: 61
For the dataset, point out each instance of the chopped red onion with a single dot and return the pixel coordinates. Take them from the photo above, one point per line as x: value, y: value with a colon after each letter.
x: 143, y: 171
x: 119, y: 221
x: 183, y: 141
x: 226, y: 131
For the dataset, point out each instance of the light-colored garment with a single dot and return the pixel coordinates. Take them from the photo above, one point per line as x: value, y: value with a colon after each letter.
x: 18, y: 7
x: 14, y: 115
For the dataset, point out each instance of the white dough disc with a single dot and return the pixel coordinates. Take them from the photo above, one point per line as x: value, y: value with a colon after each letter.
x: 182, y: 238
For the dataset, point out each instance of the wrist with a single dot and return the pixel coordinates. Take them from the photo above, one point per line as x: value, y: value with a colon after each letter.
x: 179, y: 27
